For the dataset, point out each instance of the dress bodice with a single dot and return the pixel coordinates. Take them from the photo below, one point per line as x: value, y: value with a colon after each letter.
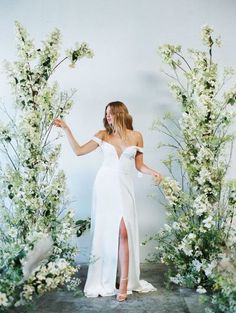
x: 114, y: 161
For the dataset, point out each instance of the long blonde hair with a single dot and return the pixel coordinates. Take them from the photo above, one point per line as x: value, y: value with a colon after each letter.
x: 122, y: 120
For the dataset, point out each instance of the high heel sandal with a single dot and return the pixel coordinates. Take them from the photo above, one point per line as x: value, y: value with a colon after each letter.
x: 122, y: 296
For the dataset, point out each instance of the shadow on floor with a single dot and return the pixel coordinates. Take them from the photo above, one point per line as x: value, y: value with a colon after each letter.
x: 160, y: 301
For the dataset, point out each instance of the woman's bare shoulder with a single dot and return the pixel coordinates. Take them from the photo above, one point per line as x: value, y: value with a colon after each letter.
x: 137, y: 134
x: 137, y: 137
x: 101, y: 134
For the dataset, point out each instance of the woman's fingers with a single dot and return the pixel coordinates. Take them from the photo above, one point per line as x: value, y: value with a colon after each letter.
x: 59, y: 123
x: 157, y: 177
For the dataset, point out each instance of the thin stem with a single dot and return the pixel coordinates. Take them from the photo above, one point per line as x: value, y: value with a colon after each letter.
x: 3, y: 151
x: 53, y: 173
x: 230, y: 224
x: 13, y: 148
x: 177, y: 77
x: 162, y: 131
x: 182, y: 176
x: 172, y: 135
x: 170, y: 76
x: 180, y: 67
x: 169, y: 146
x: 48, y: 133
x: 164, y: 126
x: 230, y: 156
x: 220, y: 87
x: 9, y: 157
x: 184, y: 60
x: 4, y: 110
x: 177, y: 125
x: 51, y: 141
x: 58, y: 65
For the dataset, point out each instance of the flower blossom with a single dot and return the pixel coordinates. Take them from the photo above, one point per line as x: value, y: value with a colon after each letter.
x: 3, y: 299
x: 201, y: 290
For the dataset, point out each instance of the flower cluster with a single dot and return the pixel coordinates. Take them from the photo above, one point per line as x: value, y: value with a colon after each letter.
x: 79, y: 52
x: 172, y: 190
x: 47, y: 277
x: 36, y: 227
x: 201, y: 210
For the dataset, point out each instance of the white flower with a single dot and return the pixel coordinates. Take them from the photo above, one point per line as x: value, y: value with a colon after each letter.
x: 71, y: 213
x: 183, y: 225
x: 49, y: 282
x: 208, y: 222
x: 167, y: 227
x: 162, y: 260
x: 3, y: 299
x: 208, y: 269
x: 218, y: 41
x: 167, y: 52
x: 176, y: 225
x: 204, y: 154
x: 12, y: 232
x: 198, y: 253
x: 186, y: 247
x: 191, y: 236
x: 200, y: 204
x: 204, y: 175
x: 202, y: 230
x: 62, y: 264
x: 171, y: 190
x: 40, y: 276
x: 176, y: 279
x: 28, y: 292
x: 201, y: 290
x: 52, y: 268
x: 197, y: 265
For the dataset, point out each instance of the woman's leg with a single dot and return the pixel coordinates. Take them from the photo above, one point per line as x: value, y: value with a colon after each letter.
x: 123, y: 259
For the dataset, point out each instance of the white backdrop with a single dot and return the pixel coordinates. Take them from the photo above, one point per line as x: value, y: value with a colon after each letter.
x: 125, y: 36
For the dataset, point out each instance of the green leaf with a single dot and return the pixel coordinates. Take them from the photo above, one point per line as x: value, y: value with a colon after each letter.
x: 46, y: 63
x: 82, y: 225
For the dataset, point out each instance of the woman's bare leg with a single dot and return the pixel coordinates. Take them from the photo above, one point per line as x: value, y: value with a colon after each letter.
x: 123, y: 260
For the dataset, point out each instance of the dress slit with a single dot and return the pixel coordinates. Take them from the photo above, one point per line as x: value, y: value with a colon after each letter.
x: 122, y: 219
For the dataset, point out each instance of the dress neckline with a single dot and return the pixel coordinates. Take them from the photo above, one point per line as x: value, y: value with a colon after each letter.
x: 117, y: 154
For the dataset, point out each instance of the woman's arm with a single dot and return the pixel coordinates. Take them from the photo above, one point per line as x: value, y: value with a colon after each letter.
x: 76, y: 147
x: 143, y: 168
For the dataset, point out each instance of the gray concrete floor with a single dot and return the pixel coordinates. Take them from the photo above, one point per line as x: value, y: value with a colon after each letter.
x: 160, y: 301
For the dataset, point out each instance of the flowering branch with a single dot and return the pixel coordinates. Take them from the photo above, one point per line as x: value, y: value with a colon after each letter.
x: 201, y: 208
x: 32, y: 189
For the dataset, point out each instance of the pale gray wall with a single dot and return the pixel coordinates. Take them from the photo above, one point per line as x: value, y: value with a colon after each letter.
x: 124, y: 35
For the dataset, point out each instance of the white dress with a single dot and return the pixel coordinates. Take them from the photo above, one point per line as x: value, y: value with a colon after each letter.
x: 113, y: 199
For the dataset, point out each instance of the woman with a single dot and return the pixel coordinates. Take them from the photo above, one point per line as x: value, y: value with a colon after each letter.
x: 114, y: 222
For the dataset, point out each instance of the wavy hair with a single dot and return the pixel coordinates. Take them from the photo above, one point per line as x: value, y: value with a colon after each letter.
x: 122, y: 120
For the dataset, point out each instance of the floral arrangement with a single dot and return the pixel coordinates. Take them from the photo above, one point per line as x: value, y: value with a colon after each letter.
x: 36, y: 225
x: 200, y: 232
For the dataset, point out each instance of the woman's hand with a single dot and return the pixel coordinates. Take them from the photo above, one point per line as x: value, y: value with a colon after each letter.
x: 60, y: 123
x: 157, y: 177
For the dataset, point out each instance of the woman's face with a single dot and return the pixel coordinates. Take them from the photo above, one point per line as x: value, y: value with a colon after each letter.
x: 109, y: 116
